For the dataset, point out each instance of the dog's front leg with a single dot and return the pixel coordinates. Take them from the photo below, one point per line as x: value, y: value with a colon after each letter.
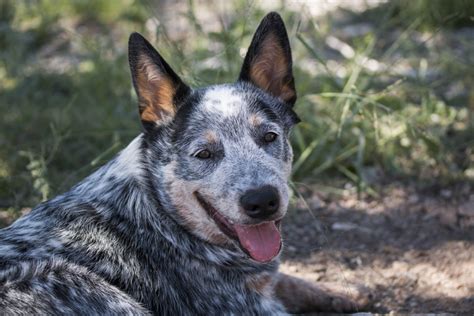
x: 299, y: 296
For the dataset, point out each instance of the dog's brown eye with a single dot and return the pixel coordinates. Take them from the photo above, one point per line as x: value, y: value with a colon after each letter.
x: 203, y: 154
x: 270, y: 137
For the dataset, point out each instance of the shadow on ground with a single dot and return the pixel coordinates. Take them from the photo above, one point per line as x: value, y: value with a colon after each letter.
x: 415, y: 252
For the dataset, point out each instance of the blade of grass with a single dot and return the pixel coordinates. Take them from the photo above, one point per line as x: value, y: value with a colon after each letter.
x: 354, y: 96
x: 316, y: 56
x: 331, y: 162
x: 305, y: 155
x: 299, y: 139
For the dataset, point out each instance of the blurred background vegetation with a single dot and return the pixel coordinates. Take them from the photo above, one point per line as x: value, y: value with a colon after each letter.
x: 385, y: 88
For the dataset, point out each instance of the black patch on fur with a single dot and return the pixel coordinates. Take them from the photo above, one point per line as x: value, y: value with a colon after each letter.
x: 185, y: 115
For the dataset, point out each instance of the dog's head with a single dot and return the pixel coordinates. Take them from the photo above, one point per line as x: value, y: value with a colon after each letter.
x: 221, y: 154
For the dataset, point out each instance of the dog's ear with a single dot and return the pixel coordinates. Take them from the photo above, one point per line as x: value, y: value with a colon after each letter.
x: 158, y: 88
x: 268, y: 63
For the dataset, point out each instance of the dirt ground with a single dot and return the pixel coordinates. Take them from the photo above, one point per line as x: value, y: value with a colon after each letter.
x: 413, y: 249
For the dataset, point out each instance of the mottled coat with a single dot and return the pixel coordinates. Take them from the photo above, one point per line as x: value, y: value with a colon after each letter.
x: 161, y: 229
x: 107, y: 244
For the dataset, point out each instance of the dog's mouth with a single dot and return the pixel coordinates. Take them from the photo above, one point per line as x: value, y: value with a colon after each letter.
x: 262, y: 242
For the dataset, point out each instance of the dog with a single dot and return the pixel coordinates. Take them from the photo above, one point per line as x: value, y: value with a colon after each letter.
x: 186, y: 219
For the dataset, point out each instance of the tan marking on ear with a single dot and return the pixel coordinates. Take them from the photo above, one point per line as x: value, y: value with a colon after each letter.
x: 156, y: 92
x: 255, y: 120
x: 270, y: 71
x: 287, y: 92
x: 262, y: 284
x: 211, y: 136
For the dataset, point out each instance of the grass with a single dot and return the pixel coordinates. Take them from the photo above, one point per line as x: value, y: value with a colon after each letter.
x: 394, y: 100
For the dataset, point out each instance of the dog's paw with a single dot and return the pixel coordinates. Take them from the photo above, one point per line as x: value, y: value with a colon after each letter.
x: 299, y: 296
x: 345, y: 297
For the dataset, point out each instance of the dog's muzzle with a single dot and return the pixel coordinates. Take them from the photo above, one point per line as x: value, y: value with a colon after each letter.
x: 262, y: 241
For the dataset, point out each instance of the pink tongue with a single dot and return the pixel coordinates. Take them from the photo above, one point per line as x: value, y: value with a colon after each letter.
x: 262, y: 241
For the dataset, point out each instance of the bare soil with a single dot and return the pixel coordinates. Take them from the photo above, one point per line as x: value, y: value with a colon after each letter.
x: 413, y: 249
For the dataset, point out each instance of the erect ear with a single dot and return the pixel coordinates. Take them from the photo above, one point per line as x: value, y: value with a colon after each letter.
x: 158, y: 88
x: 268, y: 63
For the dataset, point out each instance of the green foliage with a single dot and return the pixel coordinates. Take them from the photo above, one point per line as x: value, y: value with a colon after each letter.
x: 431, y: 13
x: 68, y: 106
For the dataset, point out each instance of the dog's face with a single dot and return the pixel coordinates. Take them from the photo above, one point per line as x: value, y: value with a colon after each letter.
x: 222, y: 152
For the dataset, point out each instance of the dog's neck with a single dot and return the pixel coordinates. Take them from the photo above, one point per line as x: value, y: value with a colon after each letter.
x: 123, y: 183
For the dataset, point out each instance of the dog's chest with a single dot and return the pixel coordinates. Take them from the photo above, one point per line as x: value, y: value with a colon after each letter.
x: 193, y: 288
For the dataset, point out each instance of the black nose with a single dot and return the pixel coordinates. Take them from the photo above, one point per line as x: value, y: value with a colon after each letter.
x: 260, y: 203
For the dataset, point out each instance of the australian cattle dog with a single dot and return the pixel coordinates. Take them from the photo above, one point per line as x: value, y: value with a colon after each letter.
x: 186, y: 219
